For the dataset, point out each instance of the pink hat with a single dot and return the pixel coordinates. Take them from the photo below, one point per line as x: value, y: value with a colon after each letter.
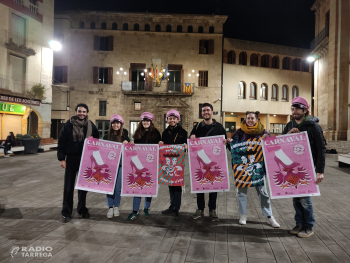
x: 173, y: 113
x: 300, y: 102
x: 147, y: 116
x: 118, y: 118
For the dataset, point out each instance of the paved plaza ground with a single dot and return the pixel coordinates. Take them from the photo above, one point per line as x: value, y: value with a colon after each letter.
x: 31, y: 189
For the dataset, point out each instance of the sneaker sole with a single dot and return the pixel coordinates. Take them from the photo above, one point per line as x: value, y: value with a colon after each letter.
x: 241, y: 223
x: 128, y: 221
x: 195, y: 218
x: 294, y: 232
x: 109, y: 216
x: 117, y: 215
x: 305, y: 235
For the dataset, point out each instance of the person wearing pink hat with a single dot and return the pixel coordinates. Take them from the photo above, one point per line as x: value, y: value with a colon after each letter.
x: 174, y: 134
x: 146, y: 133
x: 303, y: 121
x: 116, y: 133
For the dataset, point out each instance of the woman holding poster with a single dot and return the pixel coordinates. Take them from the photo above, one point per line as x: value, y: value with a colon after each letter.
x: 146, y: 133
x: 116, y: 133
x: 252, y: 128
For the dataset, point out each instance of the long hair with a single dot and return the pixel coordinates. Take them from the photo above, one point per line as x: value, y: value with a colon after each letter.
x: 11, y: 137
x: 115, y: 136
x: 140, y: 132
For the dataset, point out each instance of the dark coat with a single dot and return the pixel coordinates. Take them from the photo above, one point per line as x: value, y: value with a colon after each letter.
x: 125, y: 136
x: 144, y: 139
x: 215, y: 129
x: 67, y: 145
x: 315, y: 135
x: 177, y: 135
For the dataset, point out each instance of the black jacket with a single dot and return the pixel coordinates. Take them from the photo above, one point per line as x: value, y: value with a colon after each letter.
x: 315, y: 135
x: 215, y: 129
x: 145, y: 140
x: 177, y: 135
x: 125, y: 136
x: 67, y: 145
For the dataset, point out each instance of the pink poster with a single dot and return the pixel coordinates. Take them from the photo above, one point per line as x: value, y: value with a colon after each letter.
x: 140, y: 170
x: 99, y: 166
x: 289, y: 165
x: 208, y: 165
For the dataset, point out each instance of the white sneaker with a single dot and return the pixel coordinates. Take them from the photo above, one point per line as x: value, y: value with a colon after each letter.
x: 116, y: 211
x: 110, y: 213
x: 9, y: 152
x: 6, y: 155
x: 243, y: 220
x: 272, y: 221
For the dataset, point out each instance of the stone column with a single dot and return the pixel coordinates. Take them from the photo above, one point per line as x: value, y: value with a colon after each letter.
x: 267, y: 127
x: 342, y: 87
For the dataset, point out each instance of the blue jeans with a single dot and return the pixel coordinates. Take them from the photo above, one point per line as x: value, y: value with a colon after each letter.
x: 137, y: 202
x: 115, y: 198
x: 263, y: 197
x: 304, y: 213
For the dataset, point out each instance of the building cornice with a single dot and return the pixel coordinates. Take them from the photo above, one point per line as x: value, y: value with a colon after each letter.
x: 317, y: 5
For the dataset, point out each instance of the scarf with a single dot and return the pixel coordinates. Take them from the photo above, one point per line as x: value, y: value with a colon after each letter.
x: 257, y: 129
x: 78, y: 128
x: 307, y: 118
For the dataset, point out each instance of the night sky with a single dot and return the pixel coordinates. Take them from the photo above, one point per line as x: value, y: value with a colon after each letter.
x: 283, y: 22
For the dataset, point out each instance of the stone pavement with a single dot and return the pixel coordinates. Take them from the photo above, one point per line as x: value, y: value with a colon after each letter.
x: 31, y: 188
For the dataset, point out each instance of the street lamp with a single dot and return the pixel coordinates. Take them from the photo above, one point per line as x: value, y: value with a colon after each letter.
x: 311, y: 58
x: 55, y: 45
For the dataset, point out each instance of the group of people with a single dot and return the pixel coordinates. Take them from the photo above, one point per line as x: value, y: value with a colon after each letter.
x: 79, y: 127
x: 8, y: 144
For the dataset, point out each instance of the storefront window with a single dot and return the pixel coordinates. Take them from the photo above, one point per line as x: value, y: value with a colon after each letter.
x: 277, y: 128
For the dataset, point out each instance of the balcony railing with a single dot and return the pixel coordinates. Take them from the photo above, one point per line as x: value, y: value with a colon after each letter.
x: 15, y: 85
x: 19, y: 43
x: 164, y: 87
x: 318, y: 39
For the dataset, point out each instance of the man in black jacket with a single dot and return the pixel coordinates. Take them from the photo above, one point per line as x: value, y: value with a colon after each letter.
x: 303, y: 121
x: 174, y: 134
x: 69, y: 151
x: 208, y: 127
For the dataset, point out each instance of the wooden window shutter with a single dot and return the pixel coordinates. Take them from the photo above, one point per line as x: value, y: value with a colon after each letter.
x: 182, y: 77
x: 211, y: 46
x: 110, y: 43
x: 224, y: 56
x: 64, y: 74
x: 130, y: 74
x: 110, y: 75
x: 205, y: 84
x: 96, y: 43
x: 95, y: 75
x: 259, y: 60
x: 147, y: 79
x: 150, y: 80
x: 270, y: 62
x: 290, y: 63
x: 201, y: 46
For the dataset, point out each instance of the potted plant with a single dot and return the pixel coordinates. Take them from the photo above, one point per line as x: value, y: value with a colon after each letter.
x: 30, y: 143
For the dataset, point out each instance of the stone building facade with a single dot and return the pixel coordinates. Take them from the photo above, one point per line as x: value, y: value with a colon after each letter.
x: 25, y: 60
x: 263, y: 77
x: 107, y: 59
x: 331, y: 69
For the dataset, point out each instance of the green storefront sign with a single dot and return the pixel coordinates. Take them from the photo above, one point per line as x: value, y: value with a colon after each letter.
x: 12, y: 108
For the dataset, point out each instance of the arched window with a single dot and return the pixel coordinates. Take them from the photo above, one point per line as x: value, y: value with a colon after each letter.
x: 158, y: 28
x: 147, y: 27
x: 136, y: 27
x: 81, y: 25
x: 168, y: 28
x: 243, y: 58
x: 284, y: 93
x: 286, y: 63
x: 274, y: 92
x: 265, y: 61
x: 114, y: 26
x: 276, y: 62
x: 252, y: 91
x: 211, y: 30
x: 92, y: 25
x: 297, y: 64
x: 125, y: 27
x: 295, y: 92
x: 200, y: 29
x: 103, y: 25
x: 241, y: 90
x: 231, y: 59
x: 224, y: 56
x: 190, y: 29
x: 254, y: 59
x: 179, y: 28
x: 306, y: 66
x: 263, y: 92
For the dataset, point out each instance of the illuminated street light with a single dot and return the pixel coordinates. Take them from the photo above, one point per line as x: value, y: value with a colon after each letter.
x: 124, y: 72
x: 121, y: 69
x: 55, y: 45
x: 117, y: 72
x: 311, y: 59
x: 189, y: 75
